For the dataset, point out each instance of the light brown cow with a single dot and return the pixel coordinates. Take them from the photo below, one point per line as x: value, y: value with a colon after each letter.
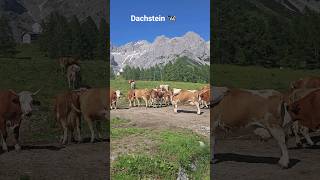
x: 72, y: 72
x: 307, y: 82
x: 242, y: 108
x: 68, y: 115
x: 186, y: 97
x: 142, y: 94
x: 131, y: 97
x: 95, y: 106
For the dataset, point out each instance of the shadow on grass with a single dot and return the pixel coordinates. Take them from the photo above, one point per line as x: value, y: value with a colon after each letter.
x: 222, y: 157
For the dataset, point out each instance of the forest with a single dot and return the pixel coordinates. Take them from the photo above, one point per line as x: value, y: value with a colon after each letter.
x: 182, y: 69
x: 244, y: 33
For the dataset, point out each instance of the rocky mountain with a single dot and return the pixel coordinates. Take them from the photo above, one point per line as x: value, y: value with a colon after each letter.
x: 24, y: 13
x: 300, y: 5
x: 144, y: 54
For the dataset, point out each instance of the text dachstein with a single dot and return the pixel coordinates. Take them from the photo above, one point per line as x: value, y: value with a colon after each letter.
x: 148, y: 18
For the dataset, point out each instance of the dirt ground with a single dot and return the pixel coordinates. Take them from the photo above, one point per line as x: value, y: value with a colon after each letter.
x: 243, y: 156
x: 48, y: 160
x: 165, y: 118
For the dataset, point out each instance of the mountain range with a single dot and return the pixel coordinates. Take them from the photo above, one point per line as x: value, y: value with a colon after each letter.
x: 146, y: 54
x: 24, y: 13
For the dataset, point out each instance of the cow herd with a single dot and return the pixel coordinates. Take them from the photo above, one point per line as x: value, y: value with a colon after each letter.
x: 270, y: 112
x: 163, y: 95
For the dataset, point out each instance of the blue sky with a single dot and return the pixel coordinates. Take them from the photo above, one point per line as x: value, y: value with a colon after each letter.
x: 191, y: 15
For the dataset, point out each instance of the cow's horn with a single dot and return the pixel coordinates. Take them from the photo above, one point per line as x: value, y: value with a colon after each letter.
x: 35, y: 93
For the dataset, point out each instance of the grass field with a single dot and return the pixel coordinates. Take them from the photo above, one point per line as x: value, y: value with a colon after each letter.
x: 253, y: 77
x: 31, y: 70
x: 157, y: 154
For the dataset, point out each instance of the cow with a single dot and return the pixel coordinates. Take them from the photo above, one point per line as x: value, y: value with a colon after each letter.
x: 157, y: 97
x: 186, y: 97
x: 205, y: 97
x: 167, y: 97
x: 68, y: 114
x: 14, y: 108
x: 265, y: 109
x: 94, y: 106
x: 305, y: 114
x: 64, y: 62
x: 142, y: 94
x: 72, y: 72
x: 131, y: 97
x: 114, y: 97
x: 164, y: 87
x: 132, y: 84
x: 307, y: 82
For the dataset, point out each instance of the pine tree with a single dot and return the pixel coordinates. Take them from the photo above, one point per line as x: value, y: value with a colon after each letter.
x: 7, y: 43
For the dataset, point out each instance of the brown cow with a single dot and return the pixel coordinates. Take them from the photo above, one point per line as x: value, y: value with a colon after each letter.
x: 68, y: 115
x: 95, y: 106
x: 205, y: 96
x: 305, y: 114
x: 242, y: 108
x: 308, y: 82
x: 186, y: 96
x: 13, y: 108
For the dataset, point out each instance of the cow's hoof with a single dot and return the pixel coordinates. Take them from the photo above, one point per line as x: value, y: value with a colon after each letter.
x: 5, y: 149
x: 17, y: 147
x: 283, y: 163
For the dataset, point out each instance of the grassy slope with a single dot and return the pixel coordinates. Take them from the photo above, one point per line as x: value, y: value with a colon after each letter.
x: 38, y: 71
x: 161, y: 160
x: 253, y: 77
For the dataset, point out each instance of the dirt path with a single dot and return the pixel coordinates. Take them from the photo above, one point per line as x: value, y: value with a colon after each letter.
x: 248, y: 158
x: 158, y: 118
x: 52, y: 161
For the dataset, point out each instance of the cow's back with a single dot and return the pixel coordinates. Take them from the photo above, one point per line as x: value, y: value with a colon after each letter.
x: 94, y: 101
x: 239, y: 108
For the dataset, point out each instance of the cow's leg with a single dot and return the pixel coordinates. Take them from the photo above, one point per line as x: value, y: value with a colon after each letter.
x: 134, y: 102
x: 175, y: 107
x: 65, y: 131
x: 279, y: 135
x: 305, y: 133
x: 198, y: 107
x: 89, y: 121
x: 295, y: 129
x: 3, y: 134
x: 146, y: 101
x: 138, y: 102
x: 16, y: 132
x: 98, y: 126
x: 78, y: 129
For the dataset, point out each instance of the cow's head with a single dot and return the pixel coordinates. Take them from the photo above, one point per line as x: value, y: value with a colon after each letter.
x: 75, y: 68
x: 27, y: 102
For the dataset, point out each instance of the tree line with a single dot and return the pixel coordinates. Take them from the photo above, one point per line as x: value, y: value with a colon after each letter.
x: 180, y: 70
x: 245, y: 34
x: 84, y: 40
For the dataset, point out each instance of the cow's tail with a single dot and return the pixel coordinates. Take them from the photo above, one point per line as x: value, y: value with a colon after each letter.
x: 74, y: 108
